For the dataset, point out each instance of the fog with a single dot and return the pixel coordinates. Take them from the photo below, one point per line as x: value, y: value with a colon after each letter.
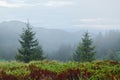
x: 57, y: 44
x: 59, y: 26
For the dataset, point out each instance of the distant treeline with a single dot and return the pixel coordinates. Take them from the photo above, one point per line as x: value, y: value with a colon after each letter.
x: 58, y: 44
x: 107, y: 47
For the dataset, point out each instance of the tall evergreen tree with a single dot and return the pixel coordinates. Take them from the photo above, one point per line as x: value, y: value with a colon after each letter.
x: 30, y: 49
x: 85, y: 50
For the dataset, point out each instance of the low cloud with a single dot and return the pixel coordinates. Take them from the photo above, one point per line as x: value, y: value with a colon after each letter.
x: 91, y: 19
x: 99, y: 21
x: 54, y: 3
x: 99, y: 27
x: 11, y: 5
x: 50, y: 3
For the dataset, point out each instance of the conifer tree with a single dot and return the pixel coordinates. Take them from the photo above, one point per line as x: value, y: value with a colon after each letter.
x: 85, y: 50
x: 30, y: 49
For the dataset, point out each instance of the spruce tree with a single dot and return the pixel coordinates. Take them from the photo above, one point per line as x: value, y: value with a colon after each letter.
x: 85, y: 50
x: 30, y: 49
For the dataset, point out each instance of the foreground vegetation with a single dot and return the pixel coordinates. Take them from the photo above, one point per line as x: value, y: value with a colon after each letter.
x: 53, y: 70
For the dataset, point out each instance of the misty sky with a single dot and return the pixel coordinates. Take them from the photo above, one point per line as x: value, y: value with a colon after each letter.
x: 63, y: 14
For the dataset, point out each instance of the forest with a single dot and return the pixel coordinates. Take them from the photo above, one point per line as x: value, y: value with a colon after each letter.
x: 91, y: 58
x: 59, y: 40
x: 63, y: 43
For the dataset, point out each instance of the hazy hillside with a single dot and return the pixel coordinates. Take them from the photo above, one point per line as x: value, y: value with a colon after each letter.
x: 55, y: 42
x: 50, y: 39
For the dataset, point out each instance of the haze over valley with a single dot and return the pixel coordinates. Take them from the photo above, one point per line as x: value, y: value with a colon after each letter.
x: 60, y: 25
